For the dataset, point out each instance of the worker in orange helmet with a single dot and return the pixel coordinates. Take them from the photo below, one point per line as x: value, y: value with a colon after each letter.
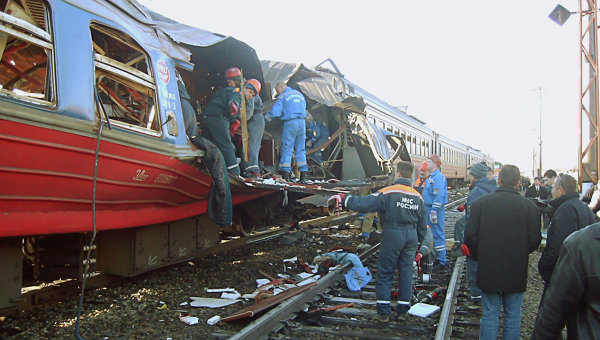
x: 423, y: 174
x: 256, y: 128
x: 218, y: 115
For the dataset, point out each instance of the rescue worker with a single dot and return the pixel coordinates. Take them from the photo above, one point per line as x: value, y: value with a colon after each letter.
x: 219, y: 112
x: 435, y: 195
x: 404, y: 227
x: 316, y: 134
x: 256, y: 127
x: 423, y: 174
x: 290, y: 107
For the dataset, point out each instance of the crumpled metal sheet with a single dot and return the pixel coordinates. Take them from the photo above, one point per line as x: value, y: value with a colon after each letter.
x: 324, y: 88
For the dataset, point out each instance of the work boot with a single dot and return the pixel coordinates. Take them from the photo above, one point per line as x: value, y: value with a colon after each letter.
x: 303, y: 178
x: 381, y: 317
x: 438, y: 267
x: 285, y: 176
x: 402, y: 317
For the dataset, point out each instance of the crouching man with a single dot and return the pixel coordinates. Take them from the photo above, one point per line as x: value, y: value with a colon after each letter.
x: 404, y: 222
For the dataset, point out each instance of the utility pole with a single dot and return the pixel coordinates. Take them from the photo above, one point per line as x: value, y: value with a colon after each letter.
x: 539, y: 89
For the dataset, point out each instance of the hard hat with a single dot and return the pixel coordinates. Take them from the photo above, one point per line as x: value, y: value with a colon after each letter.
x: 436, y: 159
x: 423, y: 166
x: 233, y: 72
x: 255, y: 85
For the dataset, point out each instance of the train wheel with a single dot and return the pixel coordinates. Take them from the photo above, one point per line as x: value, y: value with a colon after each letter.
x: 240, y: 224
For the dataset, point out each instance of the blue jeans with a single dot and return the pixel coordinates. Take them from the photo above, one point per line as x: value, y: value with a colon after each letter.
x: 471, y: 276
x: 512, y: 303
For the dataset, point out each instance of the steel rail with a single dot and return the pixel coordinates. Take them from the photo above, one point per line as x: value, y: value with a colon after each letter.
x: 260, y: 328
x: 444, y: 329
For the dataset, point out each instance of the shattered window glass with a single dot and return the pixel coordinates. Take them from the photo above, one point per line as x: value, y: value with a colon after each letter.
x: 125, y: 88
x: 25, y: 51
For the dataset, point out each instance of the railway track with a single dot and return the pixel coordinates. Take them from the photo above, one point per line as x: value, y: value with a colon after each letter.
x: 52, y: 292
x: 329, y: 310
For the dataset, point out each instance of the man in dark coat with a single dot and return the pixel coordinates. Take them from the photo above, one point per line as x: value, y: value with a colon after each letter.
x: 503, y: 229
x: 570, y: 215
x: 536, y: 190
x: 574, y: 290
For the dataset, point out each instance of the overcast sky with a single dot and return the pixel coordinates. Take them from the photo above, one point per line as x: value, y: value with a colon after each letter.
x: 469, y: 69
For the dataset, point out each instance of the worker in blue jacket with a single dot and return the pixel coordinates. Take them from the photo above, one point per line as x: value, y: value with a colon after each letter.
x: 404, y: 220
x: 316, y: 134
x: 435, y: 194
x: 218, y: 114
x: 482, y: 185
x: 290, y: 107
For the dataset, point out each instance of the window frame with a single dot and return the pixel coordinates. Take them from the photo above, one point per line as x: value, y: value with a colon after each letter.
x: 41, y: 38
x: 126, y: 75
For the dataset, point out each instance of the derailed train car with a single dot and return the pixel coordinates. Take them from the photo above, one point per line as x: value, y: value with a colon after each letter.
x: 404, y: 134
x: 356, y: 147
x: 93, y: 139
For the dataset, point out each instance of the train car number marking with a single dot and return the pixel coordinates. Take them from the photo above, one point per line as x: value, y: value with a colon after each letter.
x: 140, y: 175
x: 165, y: 179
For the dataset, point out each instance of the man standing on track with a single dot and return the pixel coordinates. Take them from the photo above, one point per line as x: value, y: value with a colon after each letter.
x: 570, y: 215
x: 503, y: 229
x: 435, y: 195
x: 482, y: 185
x: 403, y: 216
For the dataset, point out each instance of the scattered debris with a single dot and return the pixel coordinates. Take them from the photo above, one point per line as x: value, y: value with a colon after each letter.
x: 220, y: 290
x: 292, y: 237
x: 262, y: 282
x: 211, y: 302
x: 214, y: 320
x: 423, y: 310
x: 358, y: 277
x: 190, y: 320
x: 233, y: 296
x: 266, y: 303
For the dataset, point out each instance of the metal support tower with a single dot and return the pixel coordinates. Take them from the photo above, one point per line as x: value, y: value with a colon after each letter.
x: 589, y: 150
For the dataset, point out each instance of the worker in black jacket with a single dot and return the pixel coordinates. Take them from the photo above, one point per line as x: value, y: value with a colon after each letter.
x: 574, y: 291
x: 570, y: 215
x: 502, y: 230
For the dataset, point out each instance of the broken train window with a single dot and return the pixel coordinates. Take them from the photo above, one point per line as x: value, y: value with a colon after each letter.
x: 124, y: 82
x: 26, y: 70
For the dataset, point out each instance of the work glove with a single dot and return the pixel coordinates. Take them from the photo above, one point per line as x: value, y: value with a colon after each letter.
x: 461, y: 207
x: 234, y: 127
x: 433, y: 217
x: 234, y: 109
x: 336, y: 203
x: 465, y: 250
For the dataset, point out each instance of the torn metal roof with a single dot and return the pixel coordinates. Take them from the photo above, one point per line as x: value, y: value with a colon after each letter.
x: 174, y: 39
x: 324, y: 88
